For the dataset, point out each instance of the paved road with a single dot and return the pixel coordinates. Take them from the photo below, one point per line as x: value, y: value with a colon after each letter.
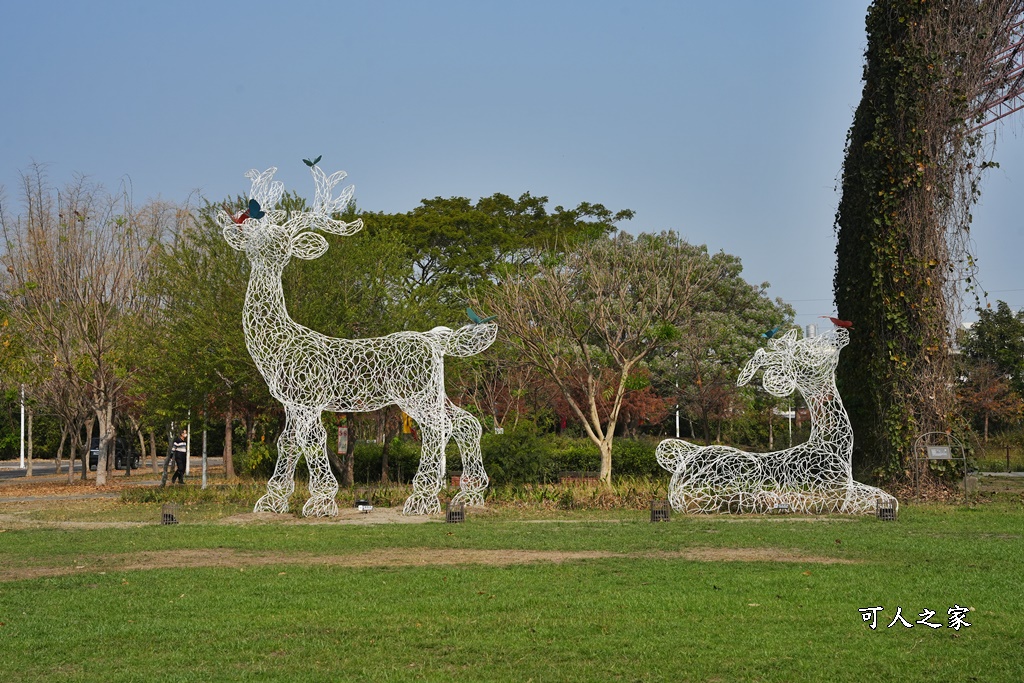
x: 10, y: 469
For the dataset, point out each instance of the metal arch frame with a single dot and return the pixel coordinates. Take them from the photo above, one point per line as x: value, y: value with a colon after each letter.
x: 923, y: 442
x: 309, y: 372
x: 815, y: 476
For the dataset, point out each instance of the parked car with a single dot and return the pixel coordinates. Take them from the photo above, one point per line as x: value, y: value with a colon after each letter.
x: 122, y: 451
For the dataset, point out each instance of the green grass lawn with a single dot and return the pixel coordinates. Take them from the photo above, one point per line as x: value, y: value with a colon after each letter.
x: 643, y: 613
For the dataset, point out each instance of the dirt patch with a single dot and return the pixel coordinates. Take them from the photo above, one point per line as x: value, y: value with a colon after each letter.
x: 15, y: 522
x: 378, y: 515
x: 778, y: 518
x: 392, y: 557
x: 751, y: 555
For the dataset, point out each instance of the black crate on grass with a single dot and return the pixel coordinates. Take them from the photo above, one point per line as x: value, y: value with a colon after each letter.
x: 456, y: 513
x: 886, y: 512
x: 169, y: 514
x: 661, y: 511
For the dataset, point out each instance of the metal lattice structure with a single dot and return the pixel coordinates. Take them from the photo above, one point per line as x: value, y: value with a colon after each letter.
x: 309, y: 372
x: 815, y: 476
x: 1004, y: 90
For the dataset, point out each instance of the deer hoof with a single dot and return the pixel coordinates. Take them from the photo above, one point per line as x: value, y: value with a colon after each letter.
x: 421, y: 504
x: 271, y: 503
x: 320, y: 507
x: 469, y: 498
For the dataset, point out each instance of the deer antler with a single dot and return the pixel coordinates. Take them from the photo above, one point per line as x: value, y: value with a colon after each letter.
x: 265, y: 190
x: 324, y: 206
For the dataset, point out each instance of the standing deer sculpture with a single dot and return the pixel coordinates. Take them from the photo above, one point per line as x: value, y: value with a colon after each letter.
x: 815, y: 476
x: 309, y: 372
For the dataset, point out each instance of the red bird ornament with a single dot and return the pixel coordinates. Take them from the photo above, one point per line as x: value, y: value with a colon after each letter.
x: 237, y: 218
x: 837, y: 322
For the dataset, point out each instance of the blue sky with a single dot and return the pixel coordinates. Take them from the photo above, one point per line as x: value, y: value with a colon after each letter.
x: 723, y: 121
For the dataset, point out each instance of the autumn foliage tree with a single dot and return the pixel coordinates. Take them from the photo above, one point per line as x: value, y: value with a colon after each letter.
x: 591, y: 317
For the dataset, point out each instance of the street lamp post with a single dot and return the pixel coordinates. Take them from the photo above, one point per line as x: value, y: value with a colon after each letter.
x: 22, y: 465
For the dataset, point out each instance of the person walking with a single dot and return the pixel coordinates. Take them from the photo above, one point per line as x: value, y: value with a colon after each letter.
x: 180, y: 450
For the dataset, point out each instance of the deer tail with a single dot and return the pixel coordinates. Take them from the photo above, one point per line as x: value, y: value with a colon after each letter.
x: 672, y: 453
x: 468, y: 340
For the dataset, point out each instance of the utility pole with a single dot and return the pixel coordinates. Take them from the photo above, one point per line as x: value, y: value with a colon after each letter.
x: 22, y: 465
x: 791, y: 414
x: 188, y: 443
x: 204, y: 446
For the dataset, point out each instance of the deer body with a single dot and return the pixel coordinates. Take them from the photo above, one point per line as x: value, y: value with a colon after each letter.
x: 815, y: 476
x: 309, y: 372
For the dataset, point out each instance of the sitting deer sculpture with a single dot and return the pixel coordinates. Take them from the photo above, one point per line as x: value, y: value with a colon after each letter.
x: 815, y: 476
x: 309, y: 372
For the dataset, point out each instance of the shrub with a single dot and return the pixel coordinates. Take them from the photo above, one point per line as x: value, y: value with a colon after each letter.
x: 516, y: 457
x: 403, y: 459
x: 257, y: 461
x: 635, y: 457
x: 574, y: 455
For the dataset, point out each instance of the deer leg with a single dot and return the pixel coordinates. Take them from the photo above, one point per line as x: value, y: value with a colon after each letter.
x: 466, y: 430
x: 282, y: 483
x: 323, y: 487
x: 427, y: 482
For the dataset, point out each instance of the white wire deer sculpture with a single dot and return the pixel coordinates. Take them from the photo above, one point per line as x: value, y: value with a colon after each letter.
x: 309, y: 372
x: 815, y: 476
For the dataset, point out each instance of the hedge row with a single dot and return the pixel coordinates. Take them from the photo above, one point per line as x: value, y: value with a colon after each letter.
x: 518, y: 457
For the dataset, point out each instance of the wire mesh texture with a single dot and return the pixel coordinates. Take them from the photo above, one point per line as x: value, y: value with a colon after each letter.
x: 309, y: 372
x: 813, y: 477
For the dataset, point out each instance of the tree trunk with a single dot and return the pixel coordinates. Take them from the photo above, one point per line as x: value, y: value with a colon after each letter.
x: 105, y: 417
x: 348, y: 474
x: 60, y: 450
x: 385, y: 447
x: 986, y: 426
x: 142, y: 445
x: 337, y: 468
x: 250, y: 430
x: 606, y: 458
x: 89, y: 424
x: 152, y: 450
x: 229, y: 453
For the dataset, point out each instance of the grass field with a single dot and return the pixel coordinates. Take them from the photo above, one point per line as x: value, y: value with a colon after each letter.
x: 511, y: 595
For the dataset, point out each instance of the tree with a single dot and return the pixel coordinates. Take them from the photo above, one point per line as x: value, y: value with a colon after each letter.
x: 986, y: 393
x: 453, y: 243
x: 76, y: 260
x: 590, y: 317
x: 195, y: 346
x: 911, y: 175
x: 992, y: 374
x: 998, y: 338
x: 699, y: 367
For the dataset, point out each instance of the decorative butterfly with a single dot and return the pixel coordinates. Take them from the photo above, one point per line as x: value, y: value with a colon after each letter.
x: 837, y: 322
x: 772, y: 332
x: 254, y: 210
x: 313, y: 163
x: 477, y: 320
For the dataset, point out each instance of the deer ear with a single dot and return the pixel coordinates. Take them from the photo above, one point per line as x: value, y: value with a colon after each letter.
x: 308, y: 245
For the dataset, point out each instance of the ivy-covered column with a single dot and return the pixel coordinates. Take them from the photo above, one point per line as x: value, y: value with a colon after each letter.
x: 909, y: 179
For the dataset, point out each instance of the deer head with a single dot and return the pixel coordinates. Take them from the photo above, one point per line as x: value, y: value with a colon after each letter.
x: 276, y: 236
x: 789, y: 362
